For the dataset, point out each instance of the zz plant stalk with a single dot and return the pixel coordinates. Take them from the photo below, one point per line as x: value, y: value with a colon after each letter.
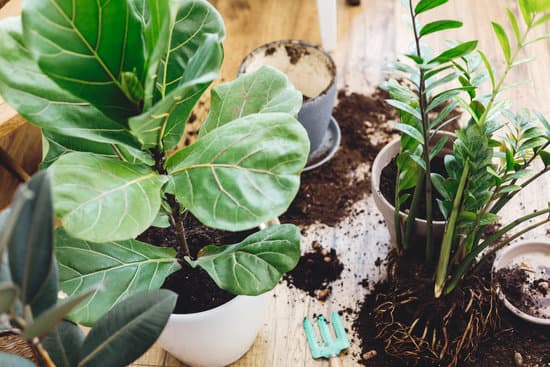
x: 31, y: 311
x: 492, y: 157
x: 112, y: 85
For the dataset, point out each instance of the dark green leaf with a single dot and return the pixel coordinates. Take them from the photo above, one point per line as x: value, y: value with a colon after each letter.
x: 438, y: 146
x: 425, y: 5
x: 247, y: 171
x: 455, y: 52
x: 418, y: 160
x: 86, y: 51
x: 403, y: 107
x: 503, y: 40
x: 12, y: 360
x: 438, y: 26
x: 261, y: 91
x: 545, y: 156
x: 255, y: 265
x: 103, y: 199
x: 125, y: 267
x: 410, y: 131
x: 136, y: 322
x: 30, y: 244
x: 47, y: 296
x: 63, y: 344
x: 439, y: 183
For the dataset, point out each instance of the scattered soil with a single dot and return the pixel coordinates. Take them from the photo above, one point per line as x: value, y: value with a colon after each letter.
x: 270, y: 51
x: 316, y: 271
x: 521, y: 291
x: 197, y: 290
x: 353, y: 2
x: 387, y: 187
x: 328, y: 193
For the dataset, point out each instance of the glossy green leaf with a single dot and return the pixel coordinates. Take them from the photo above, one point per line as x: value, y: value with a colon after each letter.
x: 8, y: 295
x: 425, y: 5
x: 103, y: 199
x: 86, y: 49
x: 128, y: 330
x: 243, y: 173
x: 45, y: 323
x: 63, y: 344
x: 404, y: 107
x: 515, y: 26
x: 47, y: 296
x: 410, y: 131
x: 41, y: 101
x: 255, y: 265
x: 124, y: 267
x: 13, y: 360
x: 455, y: 52
x: 30, y: 244
x: 261, y: 91
x: 545, y: 156
x: 163, y: 125
x: 438, y: 26
x: 489, y: 68
x: 503, y: 40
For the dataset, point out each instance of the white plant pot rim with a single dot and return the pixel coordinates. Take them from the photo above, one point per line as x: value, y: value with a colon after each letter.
x: 383, y: 152
x: 502, y: 254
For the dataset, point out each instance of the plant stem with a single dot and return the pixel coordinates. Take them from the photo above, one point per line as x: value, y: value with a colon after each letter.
x: 411, y: 217
x: 446, y: 245
x: 426, y: 135
x: 397, y: 216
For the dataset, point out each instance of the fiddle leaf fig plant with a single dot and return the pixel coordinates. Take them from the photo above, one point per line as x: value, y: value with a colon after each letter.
x: 31, y: 310
x: 112, y: 85
x: 492, y: 157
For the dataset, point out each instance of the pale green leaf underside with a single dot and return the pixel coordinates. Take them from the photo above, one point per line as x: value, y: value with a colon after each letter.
x: 255, y: 265
x: 123, y: 267
x: 85, y: 46
x: 243, y: 173
x: 262, y: 91
x: 41, y: 101
x: 102, y: 199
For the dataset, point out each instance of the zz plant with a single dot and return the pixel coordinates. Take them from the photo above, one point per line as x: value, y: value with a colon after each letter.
x: 112, y: 84
x: 31, y: 311
x: 493, y: 157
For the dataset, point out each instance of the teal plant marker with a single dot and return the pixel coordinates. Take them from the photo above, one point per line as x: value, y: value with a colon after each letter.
x: 329, y: 347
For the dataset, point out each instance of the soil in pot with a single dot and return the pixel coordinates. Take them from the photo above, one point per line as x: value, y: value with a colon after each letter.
x: 522, y: 291
x: 197, y: 290
x: 316, y: 271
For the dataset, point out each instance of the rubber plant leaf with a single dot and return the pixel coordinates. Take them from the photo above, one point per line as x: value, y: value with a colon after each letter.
x: 165, y: 122
x: 41, y: 101
x: 64, y: 343
x: 47, y: 296
x: 30, y: 242
x: 128, y: 330
x: 12, y: 360
x: 102, y: 199
x: 125, y: 267
x: 86, y: 49
x: 243, y: 173
x: 255, y: 265
x: 260, y: 91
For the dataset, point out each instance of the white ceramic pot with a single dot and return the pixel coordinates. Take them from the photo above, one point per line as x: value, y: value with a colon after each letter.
x: 536, y: 256
x: 216, y: 337
x: 384, y: 157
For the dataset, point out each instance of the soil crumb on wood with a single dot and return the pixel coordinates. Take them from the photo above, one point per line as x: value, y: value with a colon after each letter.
x: 197, y: 291
x: 328, y: 193
x: 316, y: 271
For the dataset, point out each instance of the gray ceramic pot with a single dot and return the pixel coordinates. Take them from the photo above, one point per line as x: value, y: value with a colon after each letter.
x: 312, y: 71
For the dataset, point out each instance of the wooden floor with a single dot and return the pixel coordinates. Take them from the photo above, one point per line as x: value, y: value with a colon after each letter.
x: 369, y: 37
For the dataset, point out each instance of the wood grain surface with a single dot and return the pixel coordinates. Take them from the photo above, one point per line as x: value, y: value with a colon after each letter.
x: 369, y: 37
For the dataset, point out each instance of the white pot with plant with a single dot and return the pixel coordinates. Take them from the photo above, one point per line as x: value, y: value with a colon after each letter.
x: 492, y: 159
x: 112, y: 110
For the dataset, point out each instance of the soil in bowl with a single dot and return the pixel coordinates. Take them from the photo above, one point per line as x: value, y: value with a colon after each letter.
x: 316, y: 271
x: 197, y: 291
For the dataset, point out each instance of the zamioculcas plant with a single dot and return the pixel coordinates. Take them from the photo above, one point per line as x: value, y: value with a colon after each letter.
x: 112, y: 85
x: 491, y: 158
x: 31, y: 314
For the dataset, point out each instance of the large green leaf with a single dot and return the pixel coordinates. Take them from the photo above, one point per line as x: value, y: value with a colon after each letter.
x: 125, y: 333
x: 264, y: 90
x: 85, y: 47
x: 124, y: 267
x: 164, y: 123
x: 12, y: 360
x: 243, y: 173
x: 103, y: 199
x: 30, y: 243
x: 63, y: 344
x: 47, y: 296
x: 255, y: 265
x: 41, y: 101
